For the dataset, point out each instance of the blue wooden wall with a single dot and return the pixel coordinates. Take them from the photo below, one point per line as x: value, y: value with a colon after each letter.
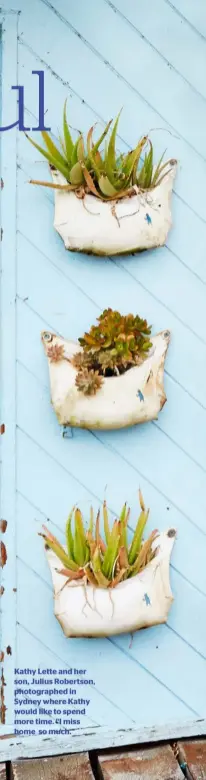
x: 150, y: 58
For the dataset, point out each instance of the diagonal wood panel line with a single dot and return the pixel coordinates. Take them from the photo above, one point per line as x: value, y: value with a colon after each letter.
x: 65, y: 664
x: 185, y: 19
x: 124, y: 271
x: 114, y: 70
x: 122, y: 457
x: 171, y: 131
x: 151, y: 45
x: 132, y: 660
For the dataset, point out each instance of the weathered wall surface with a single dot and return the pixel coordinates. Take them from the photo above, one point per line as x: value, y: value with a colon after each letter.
x: 149, y: 58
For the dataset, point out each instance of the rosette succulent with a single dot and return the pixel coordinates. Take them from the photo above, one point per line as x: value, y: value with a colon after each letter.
x: 111, y: 347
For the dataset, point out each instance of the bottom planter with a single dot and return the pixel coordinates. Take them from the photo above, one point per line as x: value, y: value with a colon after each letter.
x: 139, y: 602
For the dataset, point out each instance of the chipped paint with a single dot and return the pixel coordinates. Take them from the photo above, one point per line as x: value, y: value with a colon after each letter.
x: 2, y: 589
x: 2, y: 699
x: 3, y: 554
x: 140, y: 395
x: 2, y: 429
x: 3, y: 526
x: 9, y: 650
x: 1, y: 656
x: 147, y: 599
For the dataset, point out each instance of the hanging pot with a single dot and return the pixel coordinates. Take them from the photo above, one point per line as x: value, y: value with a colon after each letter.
x: 103, y: 228
x: 139, y: 602
x: 134, y: 397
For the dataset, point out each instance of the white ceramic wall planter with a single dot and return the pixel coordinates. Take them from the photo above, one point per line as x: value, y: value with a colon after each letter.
x: 99, y: 227
x: 139, y: 602
x: 136, y: 396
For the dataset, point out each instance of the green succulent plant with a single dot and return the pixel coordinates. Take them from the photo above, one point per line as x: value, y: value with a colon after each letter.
x: 113, y: 346
x: 103, y: 562
x: 87, y: 168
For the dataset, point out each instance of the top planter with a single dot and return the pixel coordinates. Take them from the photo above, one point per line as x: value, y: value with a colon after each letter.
x: 108, y: 204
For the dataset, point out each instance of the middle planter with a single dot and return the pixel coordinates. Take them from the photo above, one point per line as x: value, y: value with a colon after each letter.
x: 113, y: 378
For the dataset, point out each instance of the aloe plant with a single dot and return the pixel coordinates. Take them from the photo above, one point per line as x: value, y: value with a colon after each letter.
x: 111, y: 347
x: 102, y: 562
x: 86, y: 167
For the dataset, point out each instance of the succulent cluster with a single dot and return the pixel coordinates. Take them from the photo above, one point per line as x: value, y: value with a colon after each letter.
x: 103, y: 562
x: 113, y: 346
x: 104, y: 173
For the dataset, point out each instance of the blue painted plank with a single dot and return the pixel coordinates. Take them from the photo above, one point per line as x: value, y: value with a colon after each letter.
x: 163, y: 463
x: 172, y: 97
x: 169, y: 659
x: 166, y: 31
x: 165, y: 286
x: 101, y: 709
x: 107, y: 102
x: 184, y: 617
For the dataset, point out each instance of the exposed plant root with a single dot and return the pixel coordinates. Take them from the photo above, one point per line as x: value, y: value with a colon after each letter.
x: 124, y: 216
x: 114, y: 214
x: 96, y: 610
x: 65, y: 583
x: 93, y: 213
x: 112, y: 603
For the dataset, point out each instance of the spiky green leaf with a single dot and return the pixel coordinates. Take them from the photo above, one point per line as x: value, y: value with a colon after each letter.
x: 106, y: 187
x: 79, y: 538
x: 110, y: 158
x: 52, y: 148
x: 53, y: 161
x: 137, y: 538
x: 69, y: 536
x: 67, y: 135
x: 76, y: 174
